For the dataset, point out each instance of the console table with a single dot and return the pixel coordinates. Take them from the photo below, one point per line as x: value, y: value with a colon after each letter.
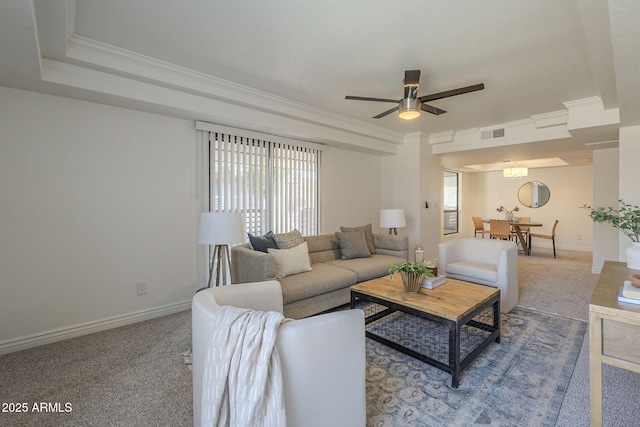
x: 614, y: 331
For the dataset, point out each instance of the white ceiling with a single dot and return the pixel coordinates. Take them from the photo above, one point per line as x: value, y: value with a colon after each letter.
x: 300, y: 58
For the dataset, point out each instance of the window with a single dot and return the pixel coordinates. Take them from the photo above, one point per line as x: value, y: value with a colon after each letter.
x: 272, y: 181
x: 451, y: 205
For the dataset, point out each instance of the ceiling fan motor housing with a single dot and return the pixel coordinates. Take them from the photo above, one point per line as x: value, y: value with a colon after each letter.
x: 409, y: 108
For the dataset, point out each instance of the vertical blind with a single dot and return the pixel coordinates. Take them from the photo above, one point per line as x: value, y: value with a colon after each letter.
x: 273, y: 184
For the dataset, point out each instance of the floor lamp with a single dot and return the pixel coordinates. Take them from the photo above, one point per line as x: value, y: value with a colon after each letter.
x: 220, y: 229
x: 392, y: 219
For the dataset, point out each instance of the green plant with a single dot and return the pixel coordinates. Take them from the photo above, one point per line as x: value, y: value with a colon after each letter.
x: 409, y: 267
x: 626, y: 218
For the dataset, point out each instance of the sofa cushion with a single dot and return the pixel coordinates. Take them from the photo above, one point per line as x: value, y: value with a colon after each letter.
x: 353, y: 244
x: 321, y: 279
x: 288, y: 240
x: 477, y: 270
x: 323, y: 248
x: 390, y: 242
x: 261, y: 243
x: 368, y: 268
x: 291, y: 261
x: 368, y: 234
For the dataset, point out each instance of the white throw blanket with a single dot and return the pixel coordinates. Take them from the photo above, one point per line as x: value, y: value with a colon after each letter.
x: 242, y: 379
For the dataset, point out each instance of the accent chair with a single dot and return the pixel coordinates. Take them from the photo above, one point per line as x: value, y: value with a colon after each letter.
x: 486, y: 262
x: 322, y: 357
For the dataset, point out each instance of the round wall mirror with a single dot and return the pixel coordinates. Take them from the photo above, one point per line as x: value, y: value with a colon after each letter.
x: 534, y: 194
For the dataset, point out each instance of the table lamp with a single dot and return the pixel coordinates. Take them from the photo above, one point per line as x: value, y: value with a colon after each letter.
x: 392, y: 219
x: 220, y: 229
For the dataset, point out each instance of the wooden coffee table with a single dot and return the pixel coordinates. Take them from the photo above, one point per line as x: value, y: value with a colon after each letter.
x: 453, y: 323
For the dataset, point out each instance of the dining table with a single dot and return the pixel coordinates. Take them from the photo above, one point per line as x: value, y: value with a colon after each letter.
x: 526, y: 247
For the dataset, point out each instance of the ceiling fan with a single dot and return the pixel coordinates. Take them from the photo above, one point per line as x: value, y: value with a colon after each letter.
x: 410, y: 105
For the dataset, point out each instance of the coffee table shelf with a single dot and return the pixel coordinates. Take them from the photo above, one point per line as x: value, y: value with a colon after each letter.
x: 448, y: 328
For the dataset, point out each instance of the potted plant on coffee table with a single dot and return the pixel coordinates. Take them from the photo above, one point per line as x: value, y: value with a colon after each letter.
x: 412, y: 275
x: 625, y: 218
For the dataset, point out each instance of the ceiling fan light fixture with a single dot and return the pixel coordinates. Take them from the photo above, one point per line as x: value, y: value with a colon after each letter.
x: 409, y: 108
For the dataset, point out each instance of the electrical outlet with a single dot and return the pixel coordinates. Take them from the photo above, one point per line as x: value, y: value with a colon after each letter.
x: 578, y: 236
x: 141, y: 288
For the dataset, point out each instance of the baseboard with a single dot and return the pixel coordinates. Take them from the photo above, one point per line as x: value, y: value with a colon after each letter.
x: 562, y: 247
x: 48, y: 337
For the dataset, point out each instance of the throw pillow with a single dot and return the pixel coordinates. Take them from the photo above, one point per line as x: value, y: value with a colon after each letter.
x: 367, y: 233
x: 291, y: 261
x: 261, y: 243
x: 353, y: 244
x: 288, y: 240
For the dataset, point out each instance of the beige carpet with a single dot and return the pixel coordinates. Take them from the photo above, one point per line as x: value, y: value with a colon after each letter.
x: 129, y: 376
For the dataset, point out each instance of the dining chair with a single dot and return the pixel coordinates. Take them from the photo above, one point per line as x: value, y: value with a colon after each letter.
x: 551, y: 236
x: 523, y: 229
x: 478, y: 225
x: 499, y: 229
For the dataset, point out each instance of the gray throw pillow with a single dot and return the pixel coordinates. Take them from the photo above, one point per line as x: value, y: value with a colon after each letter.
x: 368, y: 234
x: 262, y: 243
x: 353, y: 244
x: 288, y: 240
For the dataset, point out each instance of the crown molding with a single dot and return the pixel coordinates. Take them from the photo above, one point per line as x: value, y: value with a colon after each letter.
x: 580, y: 114
x: 590, y: 112
x: 176, y: 103
x: 151, y: 70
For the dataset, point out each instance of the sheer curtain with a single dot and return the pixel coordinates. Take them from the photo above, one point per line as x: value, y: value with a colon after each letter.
x: 273, y: 181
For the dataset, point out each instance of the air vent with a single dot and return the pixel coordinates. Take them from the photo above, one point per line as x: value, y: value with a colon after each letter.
x: 490, y: 134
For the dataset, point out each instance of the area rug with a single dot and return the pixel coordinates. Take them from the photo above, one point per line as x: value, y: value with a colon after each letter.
x: 520, y: 381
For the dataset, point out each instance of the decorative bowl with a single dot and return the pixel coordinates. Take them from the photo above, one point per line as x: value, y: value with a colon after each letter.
x: 635, y: 280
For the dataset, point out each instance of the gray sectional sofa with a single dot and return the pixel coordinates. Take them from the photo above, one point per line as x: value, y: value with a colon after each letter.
x: 327, y: 284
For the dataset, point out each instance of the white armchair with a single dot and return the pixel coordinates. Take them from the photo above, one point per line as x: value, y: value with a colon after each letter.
x: 322, y: 357
x: 487, y: 262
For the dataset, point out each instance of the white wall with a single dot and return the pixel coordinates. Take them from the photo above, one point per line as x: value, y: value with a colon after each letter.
x: 629, y: 175
x: 605, y: 193
x: 94, y: 200
x: 431, y: 184
x: 350, y: 190
x: 401, y: 184
x: 97, y: 198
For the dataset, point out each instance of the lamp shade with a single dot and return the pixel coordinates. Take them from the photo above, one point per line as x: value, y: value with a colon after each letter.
x: 220, y: 228
x: 392, y: 218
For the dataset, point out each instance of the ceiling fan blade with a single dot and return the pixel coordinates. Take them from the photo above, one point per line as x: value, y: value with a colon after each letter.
x: 431, y: 109
x: 386, y: 113
x: 412, y: 77
x: 364, y: 98
x: 452, y: 92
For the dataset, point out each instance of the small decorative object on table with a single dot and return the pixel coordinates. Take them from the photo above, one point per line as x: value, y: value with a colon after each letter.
x: 626, y: 219
x: 508, y: 215
x: 412, y: 275
x: 628, y: 293
x: 419, y: 254
x: 433, y: 282
x: 432, y: 265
